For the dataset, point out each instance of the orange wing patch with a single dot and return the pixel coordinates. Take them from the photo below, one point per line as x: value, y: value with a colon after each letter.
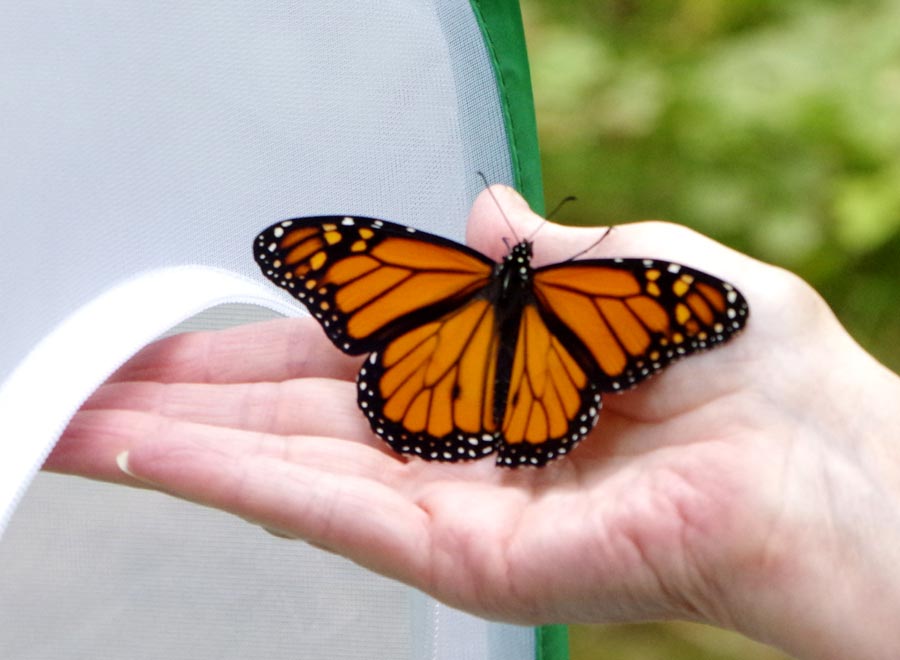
x: 365, y: 279
x: 551, y: 405
x: 431, y: 391
x: 634, y: 316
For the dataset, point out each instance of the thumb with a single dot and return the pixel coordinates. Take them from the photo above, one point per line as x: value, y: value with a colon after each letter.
x: 488, y: 232
x: 487, y: 229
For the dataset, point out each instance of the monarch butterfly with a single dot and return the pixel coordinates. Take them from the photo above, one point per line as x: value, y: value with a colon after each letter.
x: 469, y: 357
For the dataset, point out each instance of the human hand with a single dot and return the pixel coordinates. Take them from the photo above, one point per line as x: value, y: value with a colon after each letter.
x: 752, y: 487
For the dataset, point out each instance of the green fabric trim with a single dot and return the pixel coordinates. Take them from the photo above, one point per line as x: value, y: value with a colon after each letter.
x: 552, y: 643
x: 501, y: 25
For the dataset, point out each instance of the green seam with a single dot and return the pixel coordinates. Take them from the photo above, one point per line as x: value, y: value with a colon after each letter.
x: 512, y: 135
x: 552, y: 643
x: 504, y: 37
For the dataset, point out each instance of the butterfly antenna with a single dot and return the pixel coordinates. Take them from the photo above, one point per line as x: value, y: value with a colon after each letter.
x: 592, y: 245
x: 487, y: 187
x: 563, y: 202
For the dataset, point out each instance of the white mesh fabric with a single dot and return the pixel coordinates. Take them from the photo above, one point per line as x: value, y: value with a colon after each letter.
x: 142, y: 147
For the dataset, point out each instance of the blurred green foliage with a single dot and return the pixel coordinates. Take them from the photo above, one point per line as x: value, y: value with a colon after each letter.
x: 675, y: 640
x: 771, y: 126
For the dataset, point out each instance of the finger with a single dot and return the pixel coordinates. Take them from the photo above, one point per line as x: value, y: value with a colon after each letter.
x: 89, y: 445
x: 269, y: 351
x: 554, y: 242
x: 338, y: 499
x: 305, y: 406
x: 488, y: 231
x: 92, y: 439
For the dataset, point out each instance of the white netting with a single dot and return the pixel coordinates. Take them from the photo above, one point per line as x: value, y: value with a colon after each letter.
x: 142, y: 146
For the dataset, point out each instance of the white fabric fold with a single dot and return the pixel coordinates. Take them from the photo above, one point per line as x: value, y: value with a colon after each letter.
x: 44, y: 391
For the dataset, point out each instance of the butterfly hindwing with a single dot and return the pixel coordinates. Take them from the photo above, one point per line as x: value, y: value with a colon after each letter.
x: 430, y: 391
x: 632, y: 317
x: 551, y: 403
x: 367, y: 280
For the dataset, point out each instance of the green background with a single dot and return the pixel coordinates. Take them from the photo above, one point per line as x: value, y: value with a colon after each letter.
x: 771, y: 126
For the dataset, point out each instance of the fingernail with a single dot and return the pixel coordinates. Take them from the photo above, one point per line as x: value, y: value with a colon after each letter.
x: 122, y: 462
x: 279, y: 534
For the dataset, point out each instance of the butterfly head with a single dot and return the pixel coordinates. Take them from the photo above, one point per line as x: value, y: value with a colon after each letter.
x: 518, y: 256
x: 514, y: 272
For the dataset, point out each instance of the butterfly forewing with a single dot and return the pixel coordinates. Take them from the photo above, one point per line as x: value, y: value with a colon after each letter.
x: 628, y: 318
x: 368, y: 280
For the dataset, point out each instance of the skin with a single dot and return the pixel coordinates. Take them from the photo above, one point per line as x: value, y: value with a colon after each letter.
x: 754, y: 487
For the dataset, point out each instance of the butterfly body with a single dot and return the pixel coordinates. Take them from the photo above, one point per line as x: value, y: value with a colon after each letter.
x: 469, y: 357
x: 508, y: 293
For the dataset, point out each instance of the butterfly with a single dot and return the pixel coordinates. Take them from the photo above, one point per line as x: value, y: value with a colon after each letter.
x: 469, y: 357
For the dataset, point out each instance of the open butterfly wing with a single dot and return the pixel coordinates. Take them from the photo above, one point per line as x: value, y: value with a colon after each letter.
x: 430, y: 391
x: 551, y: 403
x: 628, y: 318
x: 368, y: 280
x: 460, y: 365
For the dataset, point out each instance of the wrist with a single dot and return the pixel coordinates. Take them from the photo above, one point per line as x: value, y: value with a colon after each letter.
x: 825, y: 581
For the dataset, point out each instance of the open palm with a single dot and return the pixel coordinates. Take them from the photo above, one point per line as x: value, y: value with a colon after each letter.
x: 679, y: 500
